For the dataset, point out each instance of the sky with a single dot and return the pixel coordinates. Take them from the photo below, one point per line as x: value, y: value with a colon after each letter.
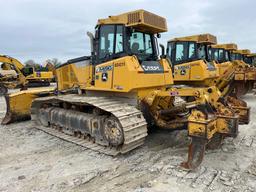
x: 44, y: 29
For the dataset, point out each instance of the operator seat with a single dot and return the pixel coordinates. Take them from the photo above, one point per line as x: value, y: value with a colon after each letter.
x: 135, y: 47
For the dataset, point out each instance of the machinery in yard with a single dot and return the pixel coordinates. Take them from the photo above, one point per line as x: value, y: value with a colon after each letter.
x: 228, y: 81
x: 250, y: 59
x: 245, y: 75
x: 193, y: 65
x: 25, y: 76
x: 108, y: 100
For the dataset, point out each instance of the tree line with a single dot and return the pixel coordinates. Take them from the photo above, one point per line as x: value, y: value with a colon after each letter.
x: 36, y: 65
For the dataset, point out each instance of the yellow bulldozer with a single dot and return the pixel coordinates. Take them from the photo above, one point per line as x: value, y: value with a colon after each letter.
x: 194, y: 66
x: 250, y: 59
x: 107, y: 101
x: 244, y: 73
x: 229, y: 79
x: 25, y: 76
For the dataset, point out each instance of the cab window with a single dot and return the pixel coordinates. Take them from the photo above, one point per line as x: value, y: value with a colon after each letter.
x: 191, y: 50
x: 226, y: 56
x: 180, y: 52
x: 221, y: 54
x: 201, y: 52
x: 148, y: 44
x: 110, y: 42
x: 119, y: 40
x: 106, y: 41
x: 216, y: 55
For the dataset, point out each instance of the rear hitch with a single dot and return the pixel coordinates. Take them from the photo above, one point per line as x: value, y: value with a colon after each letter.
x: 195, y: 153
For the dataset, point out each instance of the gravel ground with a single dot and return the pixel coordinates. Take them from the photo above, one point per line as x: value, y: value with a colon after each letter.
x: 31, y: 160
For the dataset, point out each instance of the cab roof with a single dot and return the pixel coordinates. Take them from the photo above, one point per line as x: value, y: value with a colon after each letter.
x: 227, y: 46
x: 202, y: 38
x: 243, y: 51
x: 139, y: 19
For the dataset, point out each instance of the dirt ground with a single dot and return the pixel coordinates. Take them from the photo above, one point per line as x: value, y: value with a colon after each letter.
x: 31, y: 160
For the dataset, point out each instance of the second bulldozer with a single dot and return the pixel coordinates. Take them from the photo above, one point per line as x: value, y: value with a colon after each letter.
x: 230, y: 78
x: 193, y: 65
x: 245, y: 74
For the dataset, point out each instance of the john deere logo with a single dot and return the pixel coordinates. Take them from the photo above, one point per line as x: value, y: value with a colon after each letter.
x: 151, y: 68
x: 183, y: 72
x: 104, y: 68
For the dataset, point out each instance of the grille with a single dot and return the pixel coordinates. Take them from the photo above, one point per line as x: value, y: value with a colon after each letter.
x: 208, y: 38
x: 154, y: 20
x: 134, y: 17
x: 231, y: 46
x: 245, y: 51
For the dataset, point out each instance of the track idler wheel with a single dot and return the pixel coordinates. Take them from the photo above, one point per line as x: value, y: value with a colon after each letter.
x: 215, y: 142
x: 195, y: 153
x: 113, y: 131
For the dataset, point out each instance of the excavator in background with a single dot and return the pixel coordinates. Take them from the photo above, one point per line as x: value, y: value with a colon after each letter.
x: 193, y: 65
x: 25, y: 76
x: 107, y: 101
x: 50, y: 66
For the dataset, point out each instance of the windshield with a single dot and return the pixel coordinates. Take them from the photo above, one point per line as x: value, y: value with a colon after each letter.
x: 254, y: 60
x: 202, y: 52
x: 116, y: 41
x: 141, y: 44
x: 219, y: 55
x: 227, y: 56
x: 233, y: 56
x: 236, y: 56
x: 248, y: 60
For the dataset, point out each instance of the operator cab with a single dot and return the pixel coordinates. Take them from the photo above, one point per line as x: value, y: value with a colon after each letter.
x: 115, y: 41
x: 219, y: 55
x: 236, y: 56
x: 248, y: 60
x: 190, y: 59
x: 130, y: 34
x: 188, y: 49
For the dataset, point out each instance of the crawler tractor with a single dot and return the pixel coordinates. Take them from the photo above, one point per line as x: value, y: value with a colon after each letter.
x: 193, y: 66
x: 250, y: 59
x: 227, y: 81
x: 244, y: 73
x: 107, y: 101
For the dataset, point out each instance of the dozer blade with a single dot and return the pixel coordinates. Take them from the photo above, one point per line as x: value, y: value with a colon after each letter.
x: 19, y: 104
x: 195, y: 153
